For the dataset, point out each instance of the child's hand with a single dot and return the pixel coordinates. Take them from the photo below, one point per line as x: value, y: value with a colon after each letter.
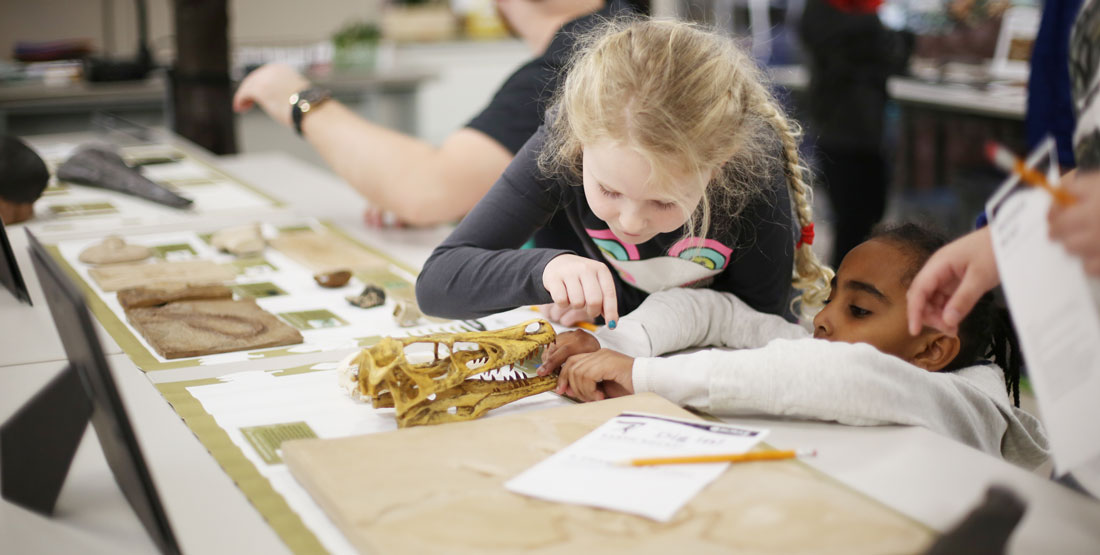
x: 583, y: 284
x: 597, y: 376
x: 564, y: 316
x: 566, y: 345
x: 1077, y: 226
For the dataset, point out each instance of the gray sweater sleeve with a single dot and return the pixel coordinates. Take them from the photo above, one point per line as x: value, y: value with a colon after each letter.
x: 479, y: 269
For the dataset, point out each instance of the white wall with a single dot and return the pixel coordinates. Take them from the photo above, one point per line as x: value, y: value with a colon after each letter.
x: 111, y: 24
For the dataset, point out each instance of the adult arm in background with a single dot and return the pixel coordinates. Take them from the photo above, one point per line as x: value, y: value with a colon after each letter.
x: 949, y: 285
x: 420, y: 183
x: 479, y: 268
x: 957, y: 275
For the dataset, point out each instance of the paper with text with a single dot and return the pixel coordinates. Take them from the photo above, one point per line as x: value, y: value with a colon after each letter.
x: 1054, y: 309
x: 589, y: 472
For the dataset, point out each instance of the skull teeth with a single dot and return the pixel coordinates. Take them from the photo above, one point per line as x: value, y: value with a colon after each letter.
x: 506, y: 373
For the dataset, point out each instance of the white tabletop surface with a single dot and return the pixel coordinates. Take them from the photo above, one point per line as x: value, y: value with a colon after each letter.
x: 928, y: 477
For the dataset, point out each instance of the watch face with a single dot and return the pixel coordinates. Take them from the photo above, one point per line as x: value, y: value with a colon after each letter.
x: 313, y: 95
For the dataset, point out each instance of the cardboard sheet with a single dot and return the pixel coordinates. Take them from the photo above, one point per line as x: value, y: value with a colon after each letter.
x: 439, y: 489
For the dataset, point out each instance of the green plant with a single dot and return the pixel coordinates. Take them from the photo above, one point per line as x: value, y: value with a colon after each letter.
x: 356, y: 32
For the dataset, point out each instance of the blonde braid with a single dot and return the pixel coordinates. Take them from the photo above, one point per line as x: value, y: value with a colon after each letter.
x: 810, y: 276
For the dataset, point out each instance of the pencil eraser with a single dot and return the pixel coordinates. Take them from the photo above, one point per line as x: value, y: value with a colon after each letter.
x: 991, y: 151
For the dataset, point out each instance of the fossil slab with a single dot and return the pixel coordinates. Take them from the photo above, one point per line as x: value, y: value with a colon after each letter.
x: 327, y: 252
x: 197, y: 328
x: 114, y: 250
x: 137, y: 297
x: 122, y: 276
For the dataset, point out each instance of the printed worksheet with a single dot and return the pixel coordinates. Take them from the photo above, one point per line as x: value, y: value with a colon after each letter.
x: 1054, y: 309
x: 593, y: 471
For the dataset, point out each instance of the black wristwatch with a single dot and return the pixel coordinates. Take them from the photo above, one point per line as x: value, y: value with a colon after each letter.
x: 304, y: 101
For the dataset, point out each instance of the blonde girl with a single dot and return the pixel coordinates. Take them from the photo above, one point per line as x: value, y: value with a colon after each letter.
x: 673, y: 165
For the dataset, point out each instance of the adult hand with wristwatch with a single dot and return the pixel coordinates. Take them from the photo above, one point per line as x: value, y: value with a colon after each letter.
x: 280, y: 91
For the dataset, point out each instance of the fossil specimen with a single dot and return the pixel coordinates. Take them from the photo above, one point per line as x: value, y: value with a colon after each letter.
x: 205, y: 327
x: 333, y: 279
x: 371, y: 297
x: 244, y: 240
x: 113, y: 250
x: 100, y: 166
x: 406, y: 313
x: 161, y: 294
x: 453, y: 381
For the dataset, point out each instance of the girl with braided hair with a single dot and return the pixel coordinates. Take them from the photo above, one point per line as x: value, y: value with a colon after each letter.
x: 861, y: 367
x: 674, y: 166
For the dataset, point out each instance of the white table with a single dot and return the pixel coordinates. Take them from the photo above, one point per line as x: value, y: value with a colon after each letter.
x: 928, y: 477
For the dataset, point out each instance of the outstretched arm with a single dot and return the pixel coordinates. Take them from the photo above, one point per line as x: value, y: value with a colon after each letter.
x: 853, y: 384
x: 678, y: 319
x: 420, y: 183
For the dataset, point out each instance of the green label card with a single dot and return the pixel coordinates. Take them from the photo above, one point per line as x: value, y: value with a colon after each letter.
x: 267, y: 439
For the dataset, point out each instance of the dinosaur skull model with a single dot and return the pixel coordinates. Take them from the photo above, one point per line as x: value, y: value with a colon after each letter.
x: 447, y: 377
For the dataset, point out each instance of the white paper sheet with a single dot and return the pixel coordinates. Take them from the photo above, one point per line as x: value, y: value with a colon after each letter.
x: 589, y: 472
x: 1055, y: 312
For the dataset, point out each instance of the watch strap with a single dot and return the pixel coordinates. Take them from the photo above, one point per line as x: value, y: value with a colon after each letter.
x: 305, y: 100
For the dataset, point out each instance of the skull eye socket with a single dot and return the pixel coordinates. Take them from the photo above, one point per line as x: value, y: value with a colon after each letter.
x: 420, y: 352
x: 466, y: 346
x: 533, y: 327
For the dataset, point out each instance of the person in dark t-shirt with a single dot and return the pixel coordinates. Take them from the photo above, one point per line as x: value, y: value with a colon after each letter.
x: 420, y: 183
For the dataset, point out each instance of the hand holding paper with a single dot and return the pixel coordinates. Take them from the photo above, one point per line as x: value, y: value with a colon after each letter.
x: 1077, y: 227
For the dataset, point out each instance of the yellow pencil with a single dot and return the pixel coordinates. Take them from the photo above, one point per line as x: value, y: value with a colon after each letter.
x: 582, y: 325
x: 726, y: 457
x: 1003, y: 158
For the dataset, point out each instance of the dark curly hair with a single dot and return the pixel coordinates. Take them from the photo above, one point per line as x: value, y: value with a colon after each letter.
x: 986, y: 333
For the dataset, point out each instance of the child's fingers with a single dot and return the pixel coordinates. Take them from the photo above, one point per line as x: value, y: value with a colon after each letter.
x: 610, y: 298
x: 581, y: 377
x: 558, y: 293
x: 593, y: 295
x: 552, y: 359
x: 576, y: 293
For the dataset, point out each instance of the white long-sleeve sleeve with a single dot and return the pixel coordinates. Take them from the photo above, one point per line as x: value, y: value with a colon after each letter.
x: 679, y: 319
x: 852, y: 384
x: 780, y: 370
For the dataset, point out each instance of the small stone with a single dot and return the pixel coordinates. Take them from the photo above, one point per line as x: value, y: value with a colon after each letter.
x: 338, y: 278
x: 113, y: 250
x: 371, y: 297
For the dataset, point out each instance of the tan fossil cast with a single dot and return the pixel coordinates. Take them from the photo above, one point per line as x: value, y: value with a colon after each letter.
x: 449, y: 377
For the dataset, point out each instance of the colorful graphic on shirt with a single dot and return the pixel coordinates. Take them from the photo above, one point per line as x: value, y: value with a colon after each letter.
x: 688, y: 261
x: 611, y: 246
x: 706, y: 252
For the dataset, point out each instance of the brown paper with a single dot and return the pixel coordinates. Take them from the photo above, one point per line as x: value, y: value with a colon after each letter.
x: 439, y: 489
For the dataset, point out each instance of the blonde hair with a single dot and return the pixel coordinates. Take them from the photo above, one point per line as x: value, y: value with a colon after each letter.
x: 690, y: 102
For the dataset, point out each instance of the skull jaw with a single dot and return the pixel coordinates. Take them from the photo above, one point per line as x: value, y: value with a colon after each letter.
x: 470, y: 400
